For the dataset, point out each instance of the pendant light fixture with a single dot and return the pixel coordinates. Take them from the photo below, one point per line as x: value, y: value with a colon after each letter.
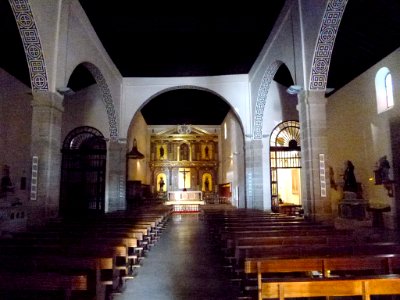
x: 294, y: 89
x: 134, y: 153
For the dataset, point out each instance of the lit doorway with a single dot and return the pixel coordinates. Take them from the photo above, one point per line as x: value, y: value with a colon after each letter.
x: 285, y: 162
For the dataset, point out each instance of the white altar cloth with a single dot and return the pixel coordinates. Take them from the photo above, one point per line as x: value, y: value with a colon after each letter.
x: 185, y: 201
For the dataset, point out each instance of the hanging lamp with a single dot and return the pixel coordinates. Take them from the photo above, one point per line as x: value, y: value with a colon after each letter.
x: 134, y: 153
x: 294, y: 89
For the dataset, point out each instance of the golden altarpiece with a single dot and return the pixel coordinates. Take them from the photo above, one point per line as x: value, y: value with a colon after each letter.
x: 184, y: 158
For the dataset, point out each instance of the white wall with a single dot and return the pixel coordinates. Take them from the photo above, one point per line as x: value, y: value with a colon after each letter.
x: 85, y: 108
x: 138, y: 91
x: 231, y: 163
x: 138, y: 169
x: 358, y: 133
x: 15, y: 131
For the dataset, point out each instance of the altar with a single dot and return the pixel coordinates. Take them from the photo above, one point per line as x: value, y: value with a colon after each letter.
x: 185, y: 201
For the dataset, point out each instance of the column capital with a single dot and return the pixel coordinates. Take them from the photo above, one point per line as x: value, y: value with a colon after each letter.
x: 47, y: 99
x: 312, y: 97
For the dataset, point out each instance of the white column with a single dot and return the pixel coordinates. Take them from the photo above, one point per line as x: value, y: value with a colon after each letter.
x: 315, y: 197
x: 46, y: 144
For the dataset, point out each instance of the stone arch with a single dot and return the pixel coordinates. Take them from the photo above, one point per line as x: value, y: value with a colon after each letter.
x: 181, y: 87
x: 31, y: 43
x: 261, y: 98
x: 107, y: 98
x: 325, y: 43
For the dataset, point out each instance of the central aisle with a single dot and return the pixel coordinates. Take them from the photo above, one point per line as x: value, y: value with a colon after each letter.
x: 181, y: 266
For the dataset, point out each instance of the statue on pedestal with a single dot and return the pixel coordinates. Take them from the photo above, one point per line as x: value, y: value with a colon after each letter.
x: 350, y: 183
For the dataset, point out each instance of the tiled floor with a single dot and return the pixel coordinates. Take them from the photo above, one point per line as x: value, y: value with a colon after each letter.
x: 181, y: 266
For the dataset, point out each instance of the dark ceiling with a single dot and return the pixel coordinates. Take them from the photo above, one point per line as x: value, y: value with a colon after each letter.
x: 149, y: 40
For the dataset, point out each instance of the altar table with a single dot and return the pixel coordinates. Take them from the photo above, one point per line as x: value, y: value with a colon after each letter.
x: 185, y: 201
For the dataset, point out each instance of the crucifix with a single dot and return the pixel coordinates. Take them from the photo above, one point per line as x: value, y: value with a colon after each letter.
x: 184, y: 178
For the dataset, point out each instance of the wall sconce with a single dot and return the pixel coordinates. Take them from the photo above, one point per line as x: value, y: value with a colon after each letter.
x: 134, y: 153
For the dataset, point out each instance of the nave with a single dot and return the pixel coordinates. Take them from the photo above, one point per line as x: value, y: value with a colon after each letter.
x: 184, y: 264
x: 221, y: 253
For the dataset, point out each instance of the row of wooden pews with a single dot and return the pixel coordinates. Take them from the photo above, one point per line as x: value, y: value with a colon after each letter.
x: 278, y: 256
x: 79, y: 259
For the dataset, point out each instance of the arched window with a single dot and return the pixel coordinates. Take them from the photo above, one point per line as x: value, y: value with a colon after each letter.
x: 384, y: 89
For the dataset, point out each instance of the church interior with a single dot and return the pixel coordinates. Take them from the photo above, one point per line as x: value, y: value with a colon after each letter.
x: 152, y: 154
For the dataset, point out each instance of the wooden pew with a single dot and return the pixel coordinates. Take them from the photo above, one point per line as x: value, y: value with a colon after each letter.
x: 242, y: 243
x: 365, y: 287
x: 102, y: 248
x: 303, y: 250
x: 112, y: 276
x: 97, y: 270
x: 227, y: 239
x: 322, y: 266
x: 46, y: 284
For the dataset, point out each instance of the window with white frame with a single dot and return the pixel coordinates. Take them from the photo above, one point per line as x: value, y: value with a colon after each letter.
x: 384, y: 89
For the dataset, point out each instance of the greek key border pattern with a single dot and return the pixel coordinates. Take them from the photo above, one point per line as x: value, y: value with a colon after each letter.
x: 31, y: 43
x: 261, y: 98
x: 112, y: 119
x: 326, y: 41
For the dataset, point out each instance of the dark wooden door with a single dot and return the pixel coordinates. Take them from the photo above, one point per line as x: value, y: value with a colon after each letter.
x: 83, y: 173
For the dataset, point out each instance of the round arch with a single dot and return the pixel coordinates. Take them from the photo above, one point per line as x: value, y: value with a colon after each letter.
x: 325, y: 43
x: 192, y: 87
x: 31, y: 42
x: 261, y: 98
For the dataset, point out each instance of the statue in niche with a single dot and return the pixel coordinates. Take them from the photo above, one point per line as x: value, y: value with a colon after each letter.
x: 350, y: 183
x: 161, y: 152
x: 161, y: 184
x: 206, y: 150
x: 184, y: 152
x: 207, y: 184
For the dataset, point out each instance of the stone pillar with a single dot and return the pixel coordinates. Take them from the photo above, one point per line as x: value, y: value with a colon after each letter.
x: 254, y: 174
x: 315, y: 182
x: 116, y: 176
x: 46, y: 144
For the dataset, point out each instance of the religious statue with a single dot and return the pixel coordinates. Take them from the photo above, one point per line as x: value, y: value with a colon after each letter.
x: 382, y: 175
x: 332, y: 178
x: 161, y: 152
x: 207, y: 184
x: 384, y: 167
x: 6, y: 184
x: 350, y: 183
x: 161, y: 183
x: 184, y: 152
x: 206, y: 151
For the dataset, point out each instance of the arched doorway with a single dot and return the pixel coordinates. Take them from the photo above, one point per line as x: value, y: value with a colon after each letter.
x: 83, y: 172
x: 285, y: 165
